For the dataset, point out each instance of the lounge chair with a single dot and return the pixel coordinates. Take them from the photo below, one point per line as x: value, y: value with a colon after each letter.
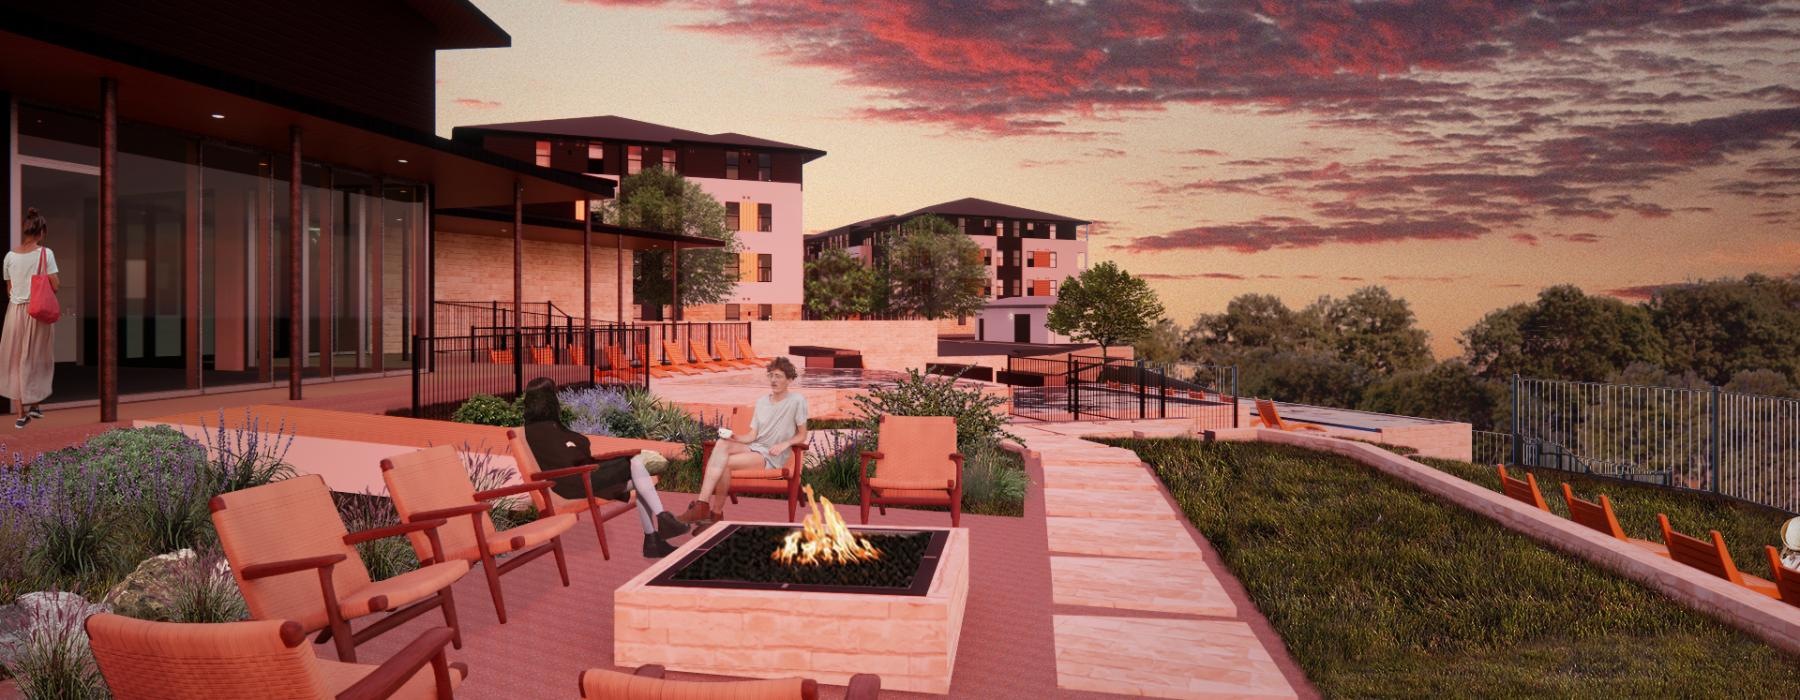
x: 144, y: 660
x: 1599, y: 516
x: 1265, y: 412
x: 1787, y: 581
x: 432, y: 484
x: 758, y: 481
x: 718, y: 360
x: 598, y: 509
x: 916, y: 463
x: 500, y: 357
x: 1522, y: 490
x: 736, y: 352
x: 543, y: 355
x: 618, y: 366
x: 293, y: 560
x: 678, y: 363
x: 1711, y: 557
x: 647, y: 684
x: 745, y: 352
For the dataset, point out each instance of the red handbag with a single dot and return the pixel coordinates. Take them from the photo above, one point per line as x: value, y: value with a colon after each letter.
x: 43, y: 295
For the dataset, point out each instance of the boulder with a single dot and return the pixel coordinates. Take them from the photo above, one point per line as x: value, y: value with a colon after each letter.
x: 148, y: 592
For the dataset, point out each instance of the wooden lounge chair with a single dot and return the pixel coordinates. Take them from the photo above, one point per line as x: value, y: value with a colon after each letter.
x: 433, y: 484
x: 1711, y: 557
x: 647, y: 684
x: 618, y: 366
x: 543, y: 355
x: 1265, y: 412
x: 293, y: 560
x: 1522, y: 490
x: 745, y: 352
x: 916, y: 463
x: 735, y: 352
x: 678, y: 363
x: 719, y: 360
x: 598, y: 509
x: 577, y: 354
x: 759, y: 481
x: 1787, y: 581
x: 144, y: 660
x: 1599, y: 516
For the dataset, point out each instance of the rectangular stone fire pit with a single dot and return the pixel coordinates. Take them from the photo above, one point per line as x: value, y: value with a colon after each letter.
x: 761, y: 630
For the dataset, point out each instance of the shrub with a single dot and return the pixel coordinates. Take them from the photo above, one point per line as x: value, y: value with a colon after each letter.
x: 590, y: 410
x: 50, y: 658
x: 487, y: 409
x: 918, y: 394
x: 203, y: 590
x: 241, y: 458
x: 121, y: 455
x: 171, y: 513
x: 836, y: 461
x: 389, y: 556
x: 994, y: 481
x: 507, y: 512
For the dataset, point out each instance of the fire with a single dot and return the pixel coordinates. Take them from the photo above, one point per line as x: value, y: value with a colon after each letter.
x: 823, y: 538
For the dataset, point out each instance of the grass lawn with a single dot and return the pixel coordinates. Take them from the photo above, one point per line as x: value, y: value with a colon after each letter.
x: 1747, y: 528
x: 1382, y: 591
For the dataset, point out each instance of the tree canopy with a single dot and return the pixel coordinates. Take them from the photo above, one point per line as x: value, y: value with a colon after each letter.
x: 662, y: 200
x: 933, y: 270
x: 840, y: 286
x: 1565, y: 334
x: 1106, y: 305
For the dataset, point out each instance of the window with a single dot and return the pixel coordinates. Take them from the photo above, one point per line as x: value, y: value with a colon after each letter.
x: 1031, y: 260
x: 987, y: 290
x: 634, y: 159
x: 732, y: 311
x: 762, y: 167
x: 765, y: 267
x: 1012, y: 257
x: 669, y: 158
x: 987, y: 257
x: 731, y: 165
x: 765, y: 217
x: 596, y: 158
x: 765, y: 311
x: 1052, y: 287
x: 1053, y: 259
x: 731, y: 216
x: 541, y: 154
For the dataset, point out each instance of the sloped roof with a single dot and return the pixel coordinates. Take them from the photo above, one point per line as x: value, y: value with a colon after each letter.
x: 967, y: 206
x: 616, y: 128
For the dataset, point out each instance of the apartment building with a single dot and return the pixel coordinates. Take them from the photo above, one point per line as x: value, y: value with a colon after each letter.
x: 1028, y: 252
x: 759, y: 181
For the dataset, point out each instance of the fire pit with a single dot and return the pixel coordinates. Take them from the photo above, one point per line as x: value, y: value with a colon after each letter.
x: 822, y: 600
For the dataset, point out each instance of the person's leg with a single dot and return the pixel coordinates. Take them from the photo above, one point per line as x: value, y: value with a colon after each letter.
x: 716, y: 468
x: 741, y: 460
x: 645, y: 488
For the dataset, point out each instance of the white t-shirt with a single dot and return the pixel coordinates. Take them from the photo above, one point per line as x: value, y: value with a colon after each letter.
x: 776, y: 423
x: 19, y: 267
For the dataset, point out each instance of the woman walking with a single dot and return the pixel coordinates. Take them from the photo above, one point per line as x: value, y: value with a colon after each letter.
x: 27, y: 363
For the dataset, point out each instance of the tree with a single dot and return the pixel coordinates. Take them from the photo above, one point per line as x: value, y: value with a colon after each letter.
x: 840, y: 286
x: 1252, y: 321
x: 658, y: 199
x: 1565, y: 334
x: 933, y: 270
x: 1165, y: 343
x: 1303, y: 376
x: 1726, y: 327
x: 1372, y: 329
x: 1449, y: 390
x: 1105, y: 305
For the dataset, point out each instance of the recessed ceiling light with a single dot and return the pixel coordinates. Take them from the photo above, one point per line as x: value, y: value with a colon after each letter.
x: 216, y: 115
x: 403, y: 160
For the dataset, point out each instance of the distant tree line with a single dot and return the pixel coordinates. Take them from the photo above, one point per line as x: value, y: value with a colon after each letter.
x: 1365, y: 350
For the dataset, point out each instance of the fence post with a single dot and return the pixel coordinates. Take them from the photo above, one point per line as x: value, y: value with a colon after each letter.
x: 1234, y: 397
x: 593, y: 364
x: 493, y: 316
x: 418, y: 344
x: 1517, y: 447
x: 1072, y: 387
x: 1717, y: 449
x: 1140, y: 387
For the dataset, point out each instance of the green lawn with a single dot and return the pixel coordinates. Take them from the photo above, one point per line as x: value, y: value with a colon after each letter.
x: 1382, y: 591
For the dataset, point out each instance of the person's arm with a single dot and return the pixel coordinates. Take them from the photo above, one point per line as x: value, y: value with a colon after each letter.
x: 800, y: 418
x: 55, y: 274
x: 55, y: 284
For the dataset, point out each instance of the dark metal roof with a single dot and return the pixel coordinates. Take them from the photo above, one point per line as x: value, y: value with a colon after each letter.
x: 967, y: 206
x: 539, y: 227
x: 615, y: 128
x: 461, y: 25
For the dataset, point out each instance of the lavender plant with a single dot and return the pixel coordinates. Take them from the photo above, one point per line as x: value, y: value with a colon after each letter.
x: 834, y: 459
x: 67, y: 504
x: 202, y: 590
x: 387, y: 557
x: 171, y: 512
x: 242, y: 457
x: 50, y: 658
x: 593, y: 410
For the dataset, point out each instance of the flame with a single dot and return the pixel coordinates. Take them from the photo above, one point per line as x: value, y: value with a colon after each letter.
x: 823, y: 538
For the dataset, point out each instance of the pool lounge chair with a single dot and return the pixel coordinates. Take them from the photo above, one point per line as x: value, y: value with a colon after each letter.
x: 647, y: 684
x: 1599, y: 516
x: 745, y: 352
x: 916, y: 463
x: 1270, y: 418
x: 678, y: 363
x: 708, y: 359
x: 1710, y: 556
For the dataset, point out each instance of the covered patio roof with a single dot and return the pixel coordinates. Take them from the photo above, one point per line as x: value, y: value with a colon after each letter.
x: 498, y: 222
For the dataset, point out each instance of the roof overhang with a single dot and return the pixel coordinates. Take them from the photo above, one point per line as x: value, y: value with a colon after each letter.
x: 498, y: 222
x: 461, y: 25
x: 182, y: 96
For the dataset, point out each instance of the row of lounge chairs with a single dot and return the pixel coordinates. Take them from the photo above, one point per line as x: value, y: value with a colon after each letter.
x: 1709, y: 555
x: 620, y: 366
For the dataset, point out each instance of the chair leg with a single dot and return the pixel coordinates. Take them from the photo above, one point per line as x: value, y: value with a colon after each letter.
x: 448, y: 603
x: 346, y: 644
x: 600, y: 530
x: 793, y: 506
x: 493, y: 579
x: 865, y: 510
x: 562, y: 564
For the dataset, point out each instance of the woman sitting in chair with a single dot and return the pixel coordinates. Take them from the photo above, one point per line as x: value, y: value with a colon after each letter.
x: 777, y: 424
x: 558, y: 447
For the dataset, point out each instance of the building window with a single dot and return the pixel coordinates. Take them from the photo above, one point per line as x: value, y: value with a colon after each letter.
x: 765, y: 267
x: 763, y: 171
x: 596, y: 158
x: 669, y: 158
x: 1031, y: 260
x: 1053, y: 259
x: 731, y: 165
x: 765, y: 217
x: 1052, y: 287
x: 731, y: 216
x: 541, y: 154
x: 765, y: 311
x: 1012, y: 257
x: 732, y: 311
x: 634, y: 160
x: 987, y: 257
x: 987, y: 290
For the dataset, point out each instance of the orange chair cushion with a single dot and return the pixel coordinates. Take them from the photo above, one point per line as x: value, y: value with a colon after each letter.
x: 900, y: 485
x: 339, y: 676
x: 599, y: 684
x: 401, y: 590
x: 532, y: 534
x: 760, y: 474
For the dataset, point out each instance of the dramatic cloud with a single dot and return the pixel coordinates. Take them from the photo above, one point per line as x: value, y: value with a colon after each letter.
x: 1192, y: 276
x: 1637, y: 293
x: 1269, y: 233
x: 472, y: 103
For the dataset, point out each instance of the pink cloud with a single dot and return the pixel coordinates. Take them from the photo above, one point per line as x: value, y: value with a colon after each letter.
x: 472, y: 103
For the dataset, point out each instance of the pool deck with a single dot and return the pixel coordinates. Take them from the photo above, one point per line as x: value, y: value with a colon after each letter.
x: 716, y: 392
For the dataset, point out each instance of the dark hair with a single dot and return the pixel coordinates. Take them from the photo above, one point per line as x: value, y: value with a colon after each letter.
x: 35, y: 226
x: 784, y: 366
x: 540, y: 402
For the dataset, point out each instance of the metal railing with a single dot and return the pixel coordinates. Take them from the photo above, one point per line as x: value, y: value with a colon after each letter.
x: 1089, y: 387
x: 719, y: 338
x: 1742, y: 446
x: 450, y: 369
x: 496, y: 318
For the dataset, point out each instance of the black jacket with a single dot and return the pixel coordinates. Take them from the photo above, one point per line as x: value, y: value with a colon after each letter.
x: 557, y: 447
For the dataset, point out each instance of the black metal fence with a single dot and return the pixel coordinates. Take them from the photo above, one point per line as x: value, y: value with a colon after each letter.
x: 720, y: 339
x: 1090, y: 387
x: 450, y: 369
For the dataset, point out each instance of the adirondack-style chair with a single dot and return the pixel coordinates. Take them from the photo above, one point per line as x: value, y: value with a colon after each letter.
x: 916, y: 463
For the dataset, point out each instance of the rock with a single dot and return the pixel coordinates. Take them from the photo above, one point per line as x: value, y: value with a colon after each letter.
x: 148, y: 591
x: 35, y: 614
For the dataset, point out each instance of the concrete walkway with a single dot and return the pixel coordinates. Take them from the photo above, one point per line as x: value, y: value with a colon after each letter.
x: 1143, y: 604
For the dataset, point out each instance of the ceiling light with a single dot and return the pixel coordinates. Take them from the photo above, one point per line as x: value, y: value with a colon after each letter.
x: 403, y: 160
x: 216, y: 115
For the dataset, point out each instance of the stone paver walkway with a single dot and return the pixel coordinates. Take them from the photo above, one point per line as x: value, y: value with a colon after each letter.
x: 1141, y: 608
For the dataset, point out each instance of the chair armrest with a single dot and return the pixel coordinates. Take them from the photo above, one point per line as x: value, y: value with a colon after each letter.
x: 566, y: 471
x: 513, y: 490
x: 451, y: 512
x: 621, y: 453
x: 649, y: 671
x: 869, y: 456
x: 387, y: 678
x: 863, y: 686
x: 288, y: 566
x: 356, y: 538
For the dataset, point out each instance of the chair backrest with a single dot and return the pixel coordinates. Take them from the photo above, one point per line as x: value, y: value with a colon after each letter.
x: 1787, y: 581
x: 744, y: 349
x: 917, y: 448
x: 674, y: 352
x: 191, y: 661
x: 288, y: 519
x: 1522, y: 490
x: 543, y: 355
x: 700, y: 351
x: 1597, y: 516
x: 1711, y: 557
x: 529, y: 468
x: 1265, y: 412
x: 577, y: 355
x: 429, y: 479
x: 615, y: 356
x: 604, y: 684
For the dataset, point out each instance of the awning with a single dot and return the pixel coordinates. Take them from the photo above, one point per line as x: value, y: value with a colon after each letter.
x: 178, y: 95
x: 498, y: 222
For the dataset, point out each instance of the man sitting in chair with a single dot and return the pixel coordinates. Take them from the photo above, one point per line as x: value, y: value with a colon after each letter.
x: 777, y: 424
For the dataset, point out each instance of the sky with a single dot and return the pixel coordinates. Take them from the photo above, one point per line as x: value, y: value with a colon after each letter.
x: 1464, y: 154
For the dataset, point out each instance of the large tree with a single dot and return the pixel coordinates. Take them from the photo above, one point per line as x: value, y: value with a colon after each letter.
x: 1372, y: 329
x: 1252, y: 321
x: 839, y: 285
x: 659, y: 199
x: 1106, y: 305
x: 1565, y: 334
x: 1449, y: 390
x: 1723, y: 328
x: 933, y: 270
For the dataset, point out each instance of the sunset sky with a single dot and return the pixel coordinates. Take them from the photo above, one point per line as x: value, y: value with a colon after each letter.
x: 1463, y: 154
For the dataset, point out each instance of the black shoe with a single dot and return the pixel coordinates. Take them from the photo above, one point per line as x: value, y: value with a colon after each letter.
x: 20, y: 423
x: 656, y: 548
x: 668, y: 526
x: 35, y: 412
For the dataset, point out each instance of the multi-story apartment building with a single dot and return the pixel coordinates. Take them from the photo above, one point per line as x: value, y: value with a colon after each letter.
x: 759, y: 181
x: 1028, y: 253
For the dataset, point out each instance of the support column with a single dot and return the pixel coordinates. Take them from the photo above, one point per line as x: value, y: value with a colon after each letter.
x: 518, y: 287
x: 675, y: 281
x: 296, y: 268
x: 265, y: 276
x: 190, y: 270
x: 587, y: 261
x: 109, y: 220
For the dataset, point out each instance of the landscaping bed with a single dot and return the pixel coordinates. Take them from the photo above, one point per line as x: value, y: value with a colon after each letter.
x: 1378, y: 589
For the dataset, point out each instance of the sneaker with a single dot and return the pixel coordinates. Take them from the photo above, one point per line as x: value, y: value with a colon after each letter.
x: 20, y: 423
x: 667, y: 525
x: 656, y: 547
x: 35, y: 412
x: 696, y: 511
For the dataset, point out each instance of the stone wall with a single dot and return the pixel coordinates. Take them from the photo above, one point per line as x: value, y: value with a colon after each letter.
x: 892, y: 345
x: 479, y: 268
